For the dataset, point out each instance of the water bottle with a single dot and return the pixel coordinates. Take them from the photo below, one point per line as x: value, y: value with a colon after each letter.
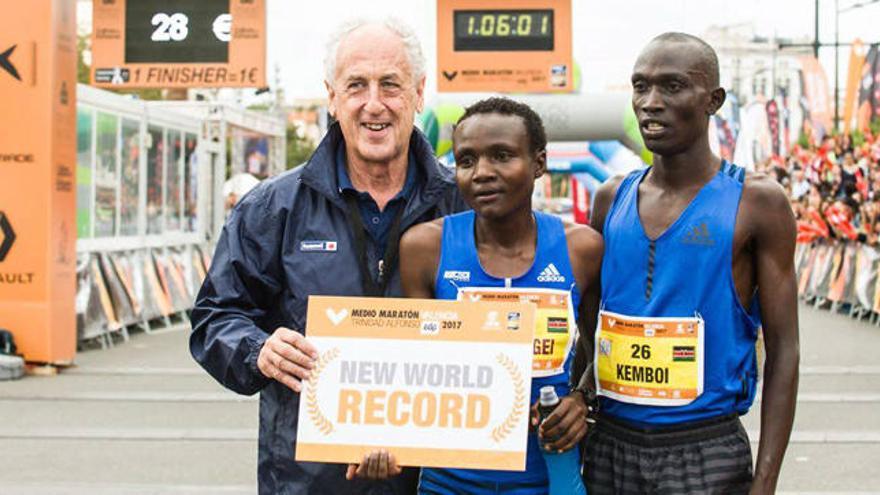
x: 564, y: 470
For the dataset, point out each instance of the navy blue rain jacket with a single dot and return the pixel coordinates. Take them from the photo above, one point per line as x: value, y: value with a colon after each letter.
x: 260, y: 279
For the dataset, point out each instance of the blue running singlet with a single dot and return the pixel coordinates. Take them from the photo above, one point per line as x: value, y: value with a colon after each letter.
x: 459, y: 272
x: 677, y: 283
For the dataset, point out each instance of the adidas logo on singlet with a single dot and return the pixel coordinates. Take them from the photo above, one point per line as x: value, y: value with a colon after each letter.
x: 699, y: 235
x: 550, y: 274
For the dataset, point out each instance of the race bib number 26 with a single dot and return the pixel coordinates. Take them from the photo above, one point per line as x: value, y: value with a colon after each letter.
x: 651, y: 361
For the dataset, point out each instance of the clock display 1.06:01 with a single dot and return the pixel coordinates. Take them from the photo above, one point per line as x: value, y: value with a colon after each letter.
x: 503, y: 30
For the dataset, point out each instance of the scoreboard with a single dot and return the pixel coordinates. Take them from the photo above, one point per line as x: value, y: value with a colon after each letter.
x: 503, y: 30
x: 166, y: 31
x: 523, y: 47
x: 178, y: 43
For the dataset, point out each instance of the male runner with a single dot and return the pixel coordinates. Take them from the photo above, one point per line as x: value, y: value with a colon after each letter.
x: 699, y: 255
x: 505, y: 250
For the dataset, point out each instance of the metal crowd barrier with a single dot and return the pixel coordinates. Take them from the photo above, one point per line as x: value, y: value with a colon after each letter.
x: 150, y: 288
x: 840, y: 275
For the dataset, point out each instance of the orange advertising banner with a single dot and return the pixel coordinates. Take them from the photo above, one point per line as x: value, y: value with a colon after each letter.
x: 37, y: 182
x: 420, y: 378
x: 854, y: 74
x: 817, y: 92
x: 507, y: 47
x: 179, y: 43
x: 869, y: 90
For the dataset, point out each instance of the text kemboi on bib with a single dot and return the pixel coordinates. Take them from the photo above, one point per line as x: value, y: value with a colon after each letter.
x: 651, y: 361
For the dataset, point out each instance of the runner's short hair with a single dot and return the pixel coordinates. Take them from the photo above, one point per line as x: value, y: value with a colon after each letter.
x: 708, y: 57
x: 505, y: 106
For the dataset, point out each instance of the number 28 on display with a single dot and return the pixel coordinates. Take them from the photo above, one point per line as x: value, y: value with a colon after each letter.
x: 175, y: 27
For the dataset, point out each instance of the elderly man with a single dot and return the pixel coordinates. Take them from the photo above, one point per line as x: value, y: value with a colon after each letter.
x: 330, y: 227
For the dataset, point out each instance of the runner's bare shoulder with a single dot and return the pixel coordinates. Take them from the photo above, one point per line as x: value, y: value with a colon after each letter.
x: 608, y: 189
x: 585, y: 248
x: 419, y: 256
x: 604, y: 197
x: 424, y: 236
x: 420, y: 245
x: 582, y: 239
x: 764, y: 202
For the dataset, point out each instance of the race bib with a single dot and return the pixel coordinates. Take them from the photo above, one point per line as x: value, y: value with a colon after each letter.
x: 555, y: 325
x: 651, y: 361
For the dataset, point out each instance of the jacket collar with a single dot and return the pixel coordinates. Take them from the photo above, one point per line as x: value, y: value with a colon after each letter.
x: 319, y: 172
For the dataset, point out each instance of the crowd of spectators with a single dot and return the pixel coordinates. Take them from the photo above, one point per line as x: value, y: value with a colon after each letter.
x: 834, y: 187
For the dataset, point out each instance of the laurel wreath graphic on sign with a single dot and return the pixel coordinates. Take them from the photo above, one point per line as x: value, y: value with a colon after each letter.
x: 318, y: 419
x: 520, y: 404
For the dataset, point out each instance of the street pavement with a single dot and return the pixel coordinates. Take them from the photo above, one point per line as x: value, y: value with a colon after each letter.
x: 141, y: 418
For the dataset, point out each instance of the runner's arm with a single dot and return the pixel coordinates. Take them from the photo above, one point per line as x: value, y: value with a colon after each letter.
x: 582, y: 369
x: 774, y: 240
x: 565, y: 427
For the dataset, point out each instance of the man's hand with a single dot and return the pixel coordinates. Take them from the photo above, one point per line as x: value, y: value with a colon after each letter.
x: 287, y: 357
x: 565, y: 426
x: 377, y: 465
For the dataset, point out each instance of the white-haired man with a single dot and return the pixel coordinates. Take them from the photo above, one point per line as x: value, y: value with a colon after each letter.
x: 330, y: 227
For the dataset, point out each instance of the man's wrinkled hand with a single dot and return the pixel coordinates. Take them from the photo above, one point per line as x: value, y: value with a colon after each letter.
x: 565, y: 426
x: 377, y: 465
x: 287, y: 357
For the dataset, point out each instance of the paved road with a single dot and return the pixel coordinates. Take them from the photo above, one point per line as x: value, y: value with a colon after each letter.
x: 141, y: 418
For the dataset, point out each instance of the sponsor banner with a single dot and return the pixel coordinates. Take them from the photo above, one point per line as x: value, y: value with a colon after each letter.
x: 179, y: 43
x: 840, y: 273
x: 37, y: 160
x: 854, y: 72
x: 509, y: 47
x: 866, y: 275
x: 869, y: 89
x: 420, y: 378
x: 817, y: 93
x: 773, y: 126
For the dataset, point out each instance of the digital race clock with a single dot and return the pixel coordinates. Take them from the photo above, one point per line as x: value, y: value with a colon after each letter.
x: 503, y: 30
x: 513, y: 46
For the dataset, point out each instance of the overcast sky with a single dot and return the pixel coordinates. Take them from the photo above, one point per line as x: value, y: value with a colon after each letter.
x: 607, y: 35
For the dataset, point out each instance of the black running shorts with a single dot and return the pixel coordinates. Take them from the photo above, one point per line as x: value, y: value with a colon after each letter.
x: 707, y: 457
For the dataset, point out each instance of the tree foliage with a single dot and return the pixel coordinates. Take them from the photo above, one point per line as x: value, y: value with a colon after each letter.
x: 299, y: 149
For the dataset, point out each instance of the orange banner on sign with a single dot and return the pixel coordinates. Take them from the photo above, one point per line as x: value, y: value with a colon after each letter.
x: 37, y: 182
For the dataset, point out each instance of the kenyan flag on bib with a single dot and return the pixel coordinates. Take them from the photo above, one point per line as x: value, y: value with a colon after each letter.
x: 684, y: 353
